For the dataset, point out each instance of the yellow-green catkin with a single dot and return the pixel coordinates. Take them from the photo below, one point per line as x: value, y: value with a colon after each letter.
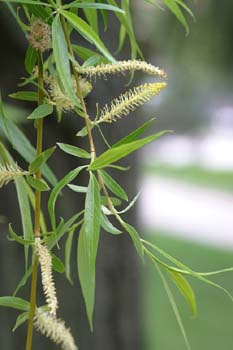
x: 122, y: 67
x: 9, y: 173
x: 129, y: 101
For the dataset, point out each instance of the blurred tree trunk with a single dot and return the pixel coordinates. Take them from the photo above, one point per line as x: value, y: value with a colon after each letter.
x: 117, y: 321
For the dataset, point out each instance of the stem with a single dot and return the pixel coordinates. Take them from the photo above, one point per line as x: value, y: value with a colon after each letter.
x: 79, y: 91
x: 37, y: 207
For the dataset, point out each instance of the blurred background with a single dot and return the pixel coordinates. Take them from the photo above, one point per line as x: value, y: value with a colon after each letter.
x: 185, y: 180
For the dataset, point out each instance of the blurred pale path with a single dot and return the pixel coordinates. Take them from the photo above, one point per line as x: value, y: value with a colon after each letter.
x: 190, y: 211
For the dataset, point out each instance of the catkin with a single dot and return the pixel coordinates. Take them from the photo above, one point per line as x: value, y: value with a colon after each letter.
x: 55, y: 330
x: 121, y: 67
x: 49, y: 289
x: 129, y: 101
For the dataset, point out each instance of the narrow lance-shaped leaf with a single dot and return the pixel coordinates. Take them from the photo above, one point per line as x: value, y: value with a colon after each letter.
x: 88, y: 245
x: 91, y: 16
x: 32, y: 2
x: 174, y: 8
x: 41, y: 111
x: 92, y: 217
x: 134, y: 135
x: 93, y: 5
x: 108, y: 226
x: 74, y: 151
x: 61, y: 57
x: 88, y: 33
x: 174, y: 306
x: 20, y: 320
x: 39, y: 185
x: 135, y: 237
x: 25, y: 95
x: 41, y: 159
x: 24, y: 205
x: 114, y: 154
x: 113, y: 186
x: 15, y: 303
x: 30, y: 59
x: 68, y: 249
x: 19, y: 239
x: 86, y: 274
x: 56, y: 191
x: 185, y: 288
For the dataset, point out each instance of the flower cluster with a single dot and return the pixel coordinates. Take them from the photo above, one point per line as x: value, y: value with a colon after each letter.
x: 45, y: 260
x: 122, y: 67
x: 59, y: 98
x: 40, y: 36
x: 55, y: 330
x: 129, y: 101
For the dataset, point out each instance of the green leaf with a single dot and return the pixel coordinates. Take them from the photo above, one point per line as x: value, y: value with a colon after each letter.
x: 61, y: 57
x: 187, y: 270
x: 134, y: 236
x: 20, y: 320
x: 25, y: 95
x: 185, y: 288
x: 134, y: 135
x: 126, y: 21
x: 41, y: 159
x: 39, y: 185
x: 33, y: 2
x: 85, y: 54
x: 79, y: 189
x: 113, y: 186
x: 61, y: 230
x: 24, y: 205
x: 88, y: 33
x: 15, y: 303
x: 88, y: 245
x: 74, y: 151
x: 92, y: 218
x: 19, y: 239
x: 114, y: 154
x: 94, y: 6
x: 25, y: 316
x: 41, y: 111
x: 68, y: 249
x: 91, y: 16
x: 57, y: 264
x: 173, y: 305
x: 25, y: 213
x: 174, y: 8
x: 108, y: 226
x: 131, y: 204
x: 115, y: 201
x: 56, y: 191
x: 82, y: 132
x: 86, y: 274
x: 30, y: 59
x: 23, y: 280
x: 39, y: 11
